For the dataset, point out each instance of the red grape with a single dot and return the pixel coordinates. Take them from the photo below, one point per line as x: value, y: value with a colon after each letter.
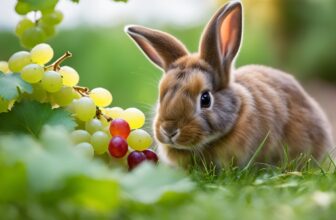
x: 151, y: 156
x: 135, y: 158
x: 120, y: 127
x: 118, y: 147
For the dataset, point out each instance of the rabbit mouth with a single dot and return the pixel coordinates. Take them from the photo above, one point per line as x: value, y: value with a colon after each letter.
x: 207, y: 141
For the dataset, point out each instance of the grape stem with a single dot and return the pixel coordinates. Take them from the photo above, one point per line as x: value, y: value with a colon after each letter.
x: 56, y: 65
x: 83, y: 91
x: 99, y: 114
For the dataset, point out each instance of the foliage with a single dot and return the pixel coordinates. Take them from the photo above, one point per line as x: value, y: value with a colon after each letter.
x: 30, y: 117
x: 11, y: 86
x: 46, y: 177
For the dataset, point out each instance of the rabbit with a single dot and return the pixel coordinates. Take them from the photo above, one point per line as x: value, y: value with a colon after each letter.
x: 208, y: 109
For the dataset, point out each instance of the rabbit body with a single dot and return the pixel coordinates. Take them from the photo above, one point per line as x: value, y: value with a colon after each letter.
x: 270, y: 105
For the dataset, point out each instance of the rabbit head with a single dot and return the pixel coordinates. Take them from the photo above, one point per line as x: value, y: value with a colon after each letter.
x: 196, y: 103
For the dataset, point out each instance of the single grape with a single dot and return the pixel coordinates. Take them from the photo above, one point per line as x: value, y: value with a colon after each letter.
x: 42, y: 53
x: 4, y: 67
x: 135, y: 158
x: 151, y: 156
x: 119, y: 127
x: 100, y: 142
x: 85, y: 109
x: 22, y: 8
x: 93, y: 125
x: 51, y: 81
x: 39, y: 94
x: 49, y: 30
x: 117, y: 147
x: 64, y: 96
x: 52, y: 18
x: 23, y: 25
x: 32, y: 73
x: 134, y: 117
x: 71, y: 107
x: 101, y: 97
x: 104, y: 121
x: 18, y: 60
x: 79, y: 136
x: 106, y: 129
x: 33, y: 36
x: 114, y: 112
x: 85, y: 149
x: 70, y: 76
x: 139, y: 140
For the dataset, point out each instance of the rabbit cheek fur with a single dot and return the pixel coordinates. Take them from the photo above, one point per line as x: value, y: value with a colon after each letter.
x: 247, y: 104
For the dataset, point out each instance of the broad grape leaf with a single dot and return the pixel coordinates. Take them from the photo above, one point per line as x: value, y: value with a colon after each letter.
x: 11, y: 85
x: 30, y: 117
x: 4, y: 105
x: 149, y: 184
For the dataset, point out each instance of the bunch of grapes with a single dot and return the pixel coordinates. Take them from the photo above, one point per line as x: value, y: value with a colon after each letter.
x: 101, y: 129
x: 46, y: 18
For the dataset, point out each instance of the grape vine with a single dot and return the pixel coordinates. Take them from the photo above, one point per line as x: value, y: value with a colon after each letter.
x: 100, y: 128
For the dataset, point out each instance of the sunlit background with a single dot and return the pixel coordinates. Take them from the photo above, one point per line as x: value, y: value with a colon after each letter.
x: 296, y: 36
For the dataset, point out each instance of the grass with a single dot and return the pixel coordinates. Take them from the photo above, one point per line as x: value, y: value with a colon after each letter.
x: 302, y: 188
x: 287, y: 191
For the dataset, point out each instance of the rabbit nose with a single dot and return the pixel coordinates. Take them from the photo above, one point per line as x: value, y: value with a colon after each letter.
x: 170, y: 133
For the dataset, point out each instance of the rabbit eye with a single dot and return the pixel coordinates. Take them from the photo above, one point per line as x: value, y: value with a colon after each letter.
x: 205, y: 100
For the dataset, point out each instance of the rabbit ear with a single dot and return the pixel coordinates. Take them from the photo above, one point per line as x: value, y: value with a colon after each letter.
x: 161, y: 48
x: 221, y: 40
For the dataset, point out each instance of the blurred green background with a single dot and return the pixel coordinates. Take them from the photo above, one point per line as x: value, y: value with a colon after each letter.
x: 296, y: 36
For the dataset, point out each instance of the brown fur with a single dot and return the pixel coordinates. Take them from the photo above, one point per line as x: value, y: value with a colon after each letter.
x: 247, y: 104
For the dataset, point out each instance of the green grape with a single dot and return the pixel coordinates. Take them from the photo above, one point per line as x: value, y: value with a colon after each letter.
x: 139, y: 140
x: 101, y: 97
x: 100, y: 141
x: 51, y: 81
x: 85, y: 149
x: 85, y: 109
x: 23, y: 25
x: 70, y: 76
x: 106, y: 129
x: 33, y: 36
x: 79, y: 136
x: 22, y: 8
x: 18, y: 60
x: 93, y: 125
x: 134, y: 117
x: 4, y: 67
x: 64, y: 96
x: 39, y: 94
x: 104, y: 121
x: 32, y: 73
x: 49, y: 30
x: 71, y: 107
x: 42, y: 53
x: 52, y: 18
x: 114, y: 112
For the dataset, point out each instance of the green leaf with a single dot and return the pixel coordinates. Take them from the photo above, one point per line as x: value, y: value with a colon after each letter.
x: 30, y: 117
x: 150, y: 184
x: 11, y: 85
x: 4, y: 105
x: 13, y: 184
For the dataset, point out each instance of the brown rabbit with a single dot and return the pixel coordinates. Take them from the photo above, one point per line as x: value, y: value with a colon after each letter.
x: 208, y: 108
